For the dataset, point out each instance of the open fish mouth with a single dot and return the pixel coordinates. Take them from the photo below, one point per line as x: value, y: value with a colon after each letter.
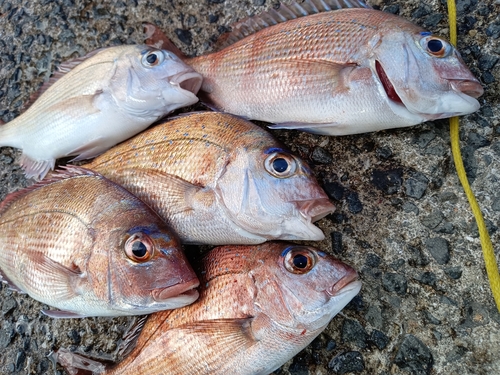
x: 470, y: 88
x: 185, y: 289
x: 348, y: 282
x: 315, y: 209
x: 190, y: 81
x: 386, y: 83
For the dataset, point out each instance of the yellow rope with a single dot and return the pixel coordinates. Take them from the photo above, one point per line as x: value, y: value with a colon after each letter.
x: 488, y: 253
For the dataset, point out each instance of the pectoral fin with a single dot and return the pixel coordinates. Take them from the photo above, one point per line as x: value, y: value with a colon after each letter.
x: 62, y: 281
x: 231, y: 335
x: 175, y: 194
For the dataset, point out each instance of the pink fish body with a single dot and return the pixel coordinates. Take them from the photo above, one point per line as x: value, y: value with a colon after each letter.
x: 258, y: 307
x: 336, y: 72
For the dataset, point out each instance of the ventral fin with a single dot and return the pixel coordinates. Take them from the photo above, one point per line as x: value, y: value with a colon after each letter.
x: 4, y: 279
x: 61, y: 314
x: 285, y: 12
x: 155, y: 37
x: 61, y: 71
x: 77, y: 364
x: 89, y: 150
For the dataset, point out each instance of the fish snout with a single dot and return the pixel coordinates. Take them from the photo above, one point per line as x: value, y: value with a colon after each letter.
x: 468, y: 87
x: 170, y: 290
x: 350, y: 277
x: 315, y: 209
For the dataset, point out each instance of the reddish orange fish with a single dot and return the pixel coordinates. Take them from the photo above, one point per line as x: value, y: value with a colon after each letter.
x: 258, y: 307
x: 88, y: 247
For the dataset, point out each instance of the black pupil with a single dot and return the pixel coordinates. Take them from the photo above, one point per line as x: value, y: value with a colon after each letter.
x: 139, y: 249
x: 300, y: 261
x: 280, y: 165
x: 435, y: 45
x: 151, y: 58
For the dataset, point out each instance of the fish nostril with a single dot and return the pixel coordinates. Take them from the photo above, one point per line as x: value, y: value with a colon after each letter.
x: 471, y: 88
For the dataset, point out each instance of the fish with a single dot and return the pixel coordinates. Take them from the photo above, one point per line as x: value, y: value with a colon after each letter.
x: 86, y: 246
x: 97, y: 101
x: 334, y: 68
x: 259, y: 306
x: 217, y: 179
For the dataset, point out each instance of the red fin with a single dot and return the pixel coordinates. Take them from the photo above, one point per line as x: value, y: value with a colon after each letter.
x: 63, y: 173
x: 61, y: 71
x: 129, y: 340
x: 251, y: 25
x: 157, y: 38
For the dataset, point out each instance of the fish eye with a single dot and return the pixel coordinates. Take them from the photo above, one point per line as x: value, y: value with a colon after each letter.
x: 299, y: 259
x: 153, y: 58
x: 435, y: 46
x: 280, y: 164
x: 139, y: 247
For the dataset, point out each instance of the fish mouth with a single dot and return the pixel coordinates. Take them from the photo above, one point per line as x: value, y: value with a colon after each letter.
x: 179, y: 289
x: 468, y: 87
x: 386, y: 83
x: 190, y: 81
x: 348, y: 282
x: 315, y: 209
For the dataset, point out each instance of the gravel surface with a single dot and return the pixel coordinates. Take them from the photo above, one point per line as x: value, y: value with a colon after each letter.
x: 402, y: 218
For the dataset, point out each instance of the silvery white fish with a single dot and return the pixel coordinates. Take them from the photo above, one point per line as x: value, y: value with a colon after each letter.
x: 320, y: 68
x: 94, y: 102
x: 258, y: 307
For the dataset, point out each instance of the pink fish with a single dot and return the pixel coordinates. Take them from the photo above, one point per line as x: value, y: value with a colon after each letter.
x: 334, y: 72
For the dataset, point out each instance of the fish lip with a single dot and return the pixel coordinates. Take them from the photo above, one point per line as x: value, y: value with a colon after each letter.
x: 389, y: 89
x: 468, y: 87
x: 181, y: 288
x: 190, y: 81
x: 315, y: 209
x: 350, y: 280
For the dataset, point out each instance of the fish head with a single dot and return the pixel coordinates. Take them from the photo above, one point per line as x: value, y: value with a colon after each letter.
x: 422, y: 75
x: 272, y: 193
x: 303, y: 287
x: 146, y: 269
x: 157, y: 82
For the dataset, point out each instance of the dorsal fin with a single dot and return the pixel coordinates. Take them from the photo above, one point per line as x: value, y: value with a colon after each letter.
x: 251, y: 25
x: 155, y: 37
x: 62, y: 174
x: 61, y: 71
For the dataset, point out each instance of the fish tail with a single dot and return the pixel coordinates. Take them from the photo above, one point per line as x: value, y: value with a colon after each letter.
x: 8, y: 134
x: 77, y: 364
